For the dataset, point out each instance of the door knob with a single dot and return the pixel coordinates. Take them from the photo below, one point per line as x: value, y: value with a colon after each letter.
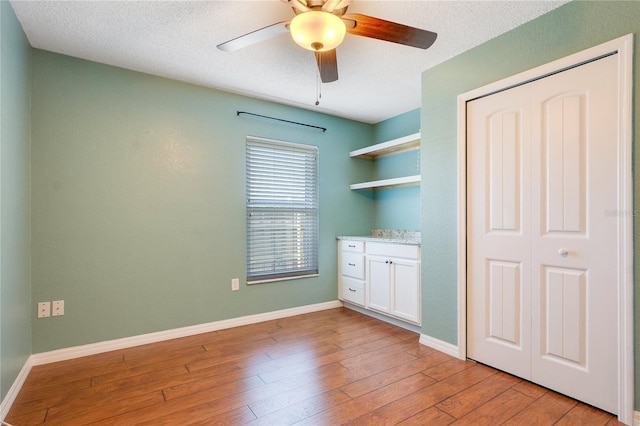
x: 563, y: 252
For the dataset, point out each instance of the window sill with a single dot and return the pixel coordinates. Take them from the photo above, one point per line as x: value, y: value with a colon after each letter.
x: 272, y: 280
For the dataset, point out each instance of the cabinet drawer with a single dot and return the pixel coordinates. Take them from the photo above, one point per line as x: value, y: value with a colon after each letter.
x: 352, y: 265
x: 353, y: 290
x: 355, y: 246
x: 394, y: 250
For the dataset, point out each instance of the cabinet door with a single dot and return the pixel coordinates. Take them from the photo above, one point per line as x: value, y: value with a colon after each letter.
x: 405, y: 278
x: 378, y: 284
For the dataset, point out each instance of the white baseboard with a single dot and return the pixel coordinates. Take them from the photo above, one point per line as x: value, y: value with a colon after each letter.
x: 636, y: 418
x: 382, y: 317
x: 439, y: 345
x: 143, y: 339
x: 8, y: 400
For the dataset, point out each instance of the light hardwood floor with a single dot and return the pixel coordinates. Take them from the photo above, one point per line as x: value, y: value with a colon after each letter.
x: 325, y: 368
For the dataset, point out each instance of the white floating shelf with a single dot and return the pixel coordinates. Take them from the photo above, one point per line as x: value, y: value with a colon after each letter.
x: 388, y: 183
x: 395, y: 146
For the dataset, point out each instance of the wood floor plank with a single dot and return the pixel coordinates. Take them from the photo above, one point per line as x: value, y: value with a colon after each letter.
x: 26, y: 418
x: 301, y: 410
x: 137, y: 374
x: 89, y: 411
x: 413, y: 403
x: 546, y: 410
x: 238, y: 346
x: 130, y: 388
x: 324, y: 381
x: 238, y: 416
x: 207, y: 403
x: 298, y: 354
x: 215, y: 387
x: 61, y: 368
x: 431, y: 416
x: 317, y: 332
x: 403, y: 408
x: 369, y: 340
x: 226, y: 363
x: 497, y: 410
x: 77, y: 379
x: 152, y: 355
x: 585, y: 415
x: 374, y: 381
x: 357, y: 407
x: 474, y: 396
x: 449, y: 368
x: 304, y: 365
x: 41, y: 397
x: 329, y: 367
x: 398, y: 348
x: 530, y: 389
x: 420, y: 351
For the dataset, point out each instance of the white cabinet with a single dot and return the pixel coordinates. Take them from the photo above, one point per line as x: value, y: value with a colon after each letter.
x: 379, y: 284
x: 351, y: 271
x: 393, y: 280
x: 395, y: 146
x: 405, y: 285
x: 383, y: 277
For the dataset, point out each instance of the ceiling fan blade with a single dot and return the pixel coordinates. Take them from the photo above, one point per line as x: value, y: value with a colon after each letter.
x: 255, y: 37
x: 368, y: 26
x: 327, y: 65
x: 299, y: 5
x: 331, y: 5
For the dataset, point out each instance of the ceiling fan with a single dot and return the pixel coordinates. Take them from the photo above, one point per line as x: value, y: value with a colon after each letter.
x: 320, y: 26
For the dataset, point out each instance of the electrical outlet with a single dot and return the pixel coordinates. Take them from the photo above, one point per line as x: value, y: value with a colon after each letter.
x: 57, y: 308
x: 44, y: 309
x: 235, y: 284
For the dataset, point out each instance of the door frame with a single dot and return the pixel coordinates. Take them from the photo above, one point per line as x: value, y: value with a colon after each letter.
x: 623, y: 48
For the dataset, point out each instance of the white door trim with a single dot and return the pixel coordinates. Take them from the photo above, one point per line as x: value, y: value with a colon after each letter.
x: 623, y: 46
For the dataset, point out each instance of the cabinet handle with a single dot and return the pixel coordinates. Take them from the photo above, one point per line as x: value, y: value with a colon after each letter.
x: 388, y: 261
x: 351, y: 246
x: 350, y: 289
x: 351, y: 264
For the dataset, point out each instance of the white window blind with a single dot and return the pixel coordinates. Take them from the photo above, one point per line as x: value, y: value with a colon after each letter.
x: 282, y: 210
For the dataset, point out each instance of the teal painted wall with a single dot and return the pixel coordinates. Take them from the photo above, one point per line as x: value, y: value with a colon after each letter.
x: 138, y: 201
x: 15, y: 264
x: 571, y: 28
x: 398, y: 126
x: 397, y: 208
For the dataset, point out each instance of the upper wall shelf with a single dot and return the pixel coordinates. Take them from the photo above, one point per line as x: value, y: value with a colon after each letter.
x: 395, y: 146
x: 388, y: 183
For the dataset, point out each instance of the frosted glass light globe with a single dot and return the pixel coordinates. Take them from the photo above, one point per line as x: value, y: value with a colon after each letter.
x: 317, y: 31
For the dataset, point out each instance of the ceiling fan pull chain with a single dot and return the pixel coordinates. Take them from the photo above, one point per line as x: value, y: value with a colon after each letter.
x: 318, y: 89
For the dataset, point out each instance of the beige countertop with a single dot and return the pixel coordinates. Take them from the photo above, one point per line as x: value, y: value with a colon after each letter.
x: 387, y: 236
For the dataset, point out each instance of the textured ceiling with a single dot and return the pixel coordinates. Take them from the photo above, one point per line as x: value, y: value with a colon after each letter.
x: 177, y: 39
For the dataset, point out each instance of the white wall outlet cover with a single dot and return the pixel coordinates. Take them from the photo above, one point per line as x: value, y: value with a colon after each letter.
x: 58, y: 308
x: 44, y: 309
x: 235, y: 284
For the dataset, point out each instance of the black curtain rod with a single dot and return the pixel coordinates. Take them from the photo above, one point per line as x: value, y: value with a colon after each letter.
x: 324, y: 129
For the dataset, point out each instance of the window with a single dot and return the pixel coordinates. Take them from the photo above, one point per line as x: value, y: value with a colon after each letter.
x: 282, y: 210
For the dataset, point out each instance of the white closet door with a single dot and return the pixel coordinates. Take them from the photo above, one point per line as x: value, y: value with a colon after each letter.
x: 499, y: 243
x: 542, y: 242
x: 575, y: 234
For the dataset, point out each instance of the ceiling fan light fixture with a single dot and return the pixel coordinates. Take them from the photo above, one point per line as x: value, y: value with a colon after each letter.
x: 317, y: 31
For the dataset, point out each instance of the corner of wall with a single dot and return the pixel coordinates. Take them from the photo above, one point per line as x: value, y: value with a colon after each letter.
x: 15, y: 192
